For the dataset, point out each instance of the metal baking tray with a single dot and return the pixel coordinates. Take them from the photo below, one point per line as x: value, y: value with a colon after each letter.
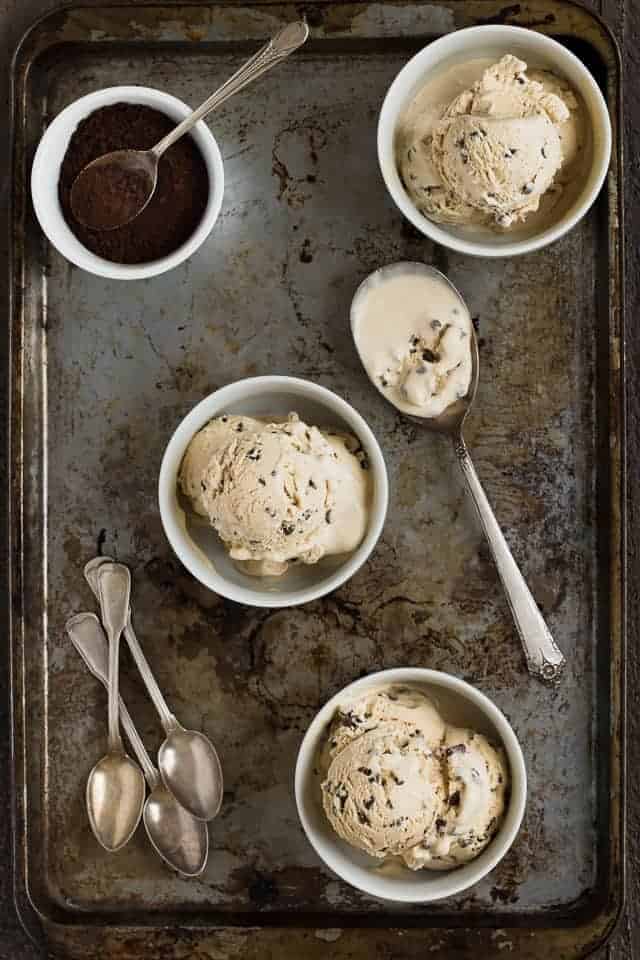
x: 101, y: 373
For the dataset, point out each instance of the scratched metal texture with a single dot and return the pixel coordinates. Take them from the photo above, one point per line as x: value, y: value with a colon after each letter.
x: 102, y: 374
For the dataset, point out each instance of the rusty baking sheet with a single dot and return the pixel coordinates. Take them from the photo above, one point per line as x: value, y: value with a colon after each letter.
x: 103, y: 371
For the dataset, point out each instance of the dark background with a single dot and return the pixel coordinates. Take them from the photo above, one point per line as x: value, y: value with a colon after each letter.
x: 623, y: 16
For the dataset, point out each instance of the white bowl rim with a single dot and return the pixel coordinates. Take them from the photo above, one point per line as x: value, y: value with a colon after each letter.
x: 387, y: 123
x: 69, y: 246
x: 501, y: 843
x: 201, y: 414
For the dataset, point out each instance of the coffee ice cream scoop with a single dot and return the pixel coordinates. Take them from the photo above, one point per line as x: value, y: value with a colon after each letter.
x: 278, y: 492
x: 498, y: 166
x: 396, y: 704
x: 490, y: 154
x: 398, y: 781
x: 476, y: 776
x: 384, y: 792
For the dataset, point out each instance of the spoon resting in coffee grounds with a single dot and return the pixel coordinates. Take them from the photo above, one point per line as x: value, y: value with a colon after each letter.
x: 113, y: 189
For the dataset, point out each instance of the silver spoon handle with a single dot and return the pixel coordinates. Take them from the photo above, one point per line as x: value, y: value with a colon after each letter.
x: 544, y: 659
x: 114, y: 591
x: 150, y: 773
x: 115, y: 740
x: 89, y: 640
x: 167, y: 719
x: 277, y: 49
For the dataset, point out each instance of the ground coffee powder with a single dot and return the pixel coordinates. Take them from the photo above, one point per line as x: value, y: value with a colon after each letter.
x: 180, y: 197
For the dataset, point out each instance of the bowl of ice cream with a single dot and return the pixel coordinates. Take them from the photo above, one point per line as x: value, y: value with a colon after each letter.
x: 410, y: 785
x: 273, y: 491
x: 494, y: 140
x: 188, y: 196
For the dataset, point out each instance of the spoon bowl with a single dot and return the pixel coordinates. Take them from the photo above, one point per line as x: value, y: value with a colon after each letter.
x: 115, y: 799
x: 452, y: 418
x: 191, y: 770
x: 125, y: 179
x: 176, y: 836
x: 543, y: 657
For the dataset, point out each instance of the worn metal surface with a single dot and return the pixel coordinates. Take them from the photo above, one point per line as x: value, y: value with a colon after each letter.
x: 305, y: 216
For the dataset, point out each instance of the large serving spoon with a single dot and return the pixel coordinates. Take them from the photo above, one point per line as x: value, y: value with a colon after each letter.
x: 127, y: 179
x: 115, y: 788
x: 544, y: 659
x: 177, y: 837
x: 188, y: 761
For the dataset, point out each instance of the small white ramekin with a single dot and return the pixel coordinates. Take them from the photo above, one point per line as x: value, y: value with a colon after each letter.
x: 195, y: 542
x: 45, y: 174
x: 460, y: 703
x: 537, y: 50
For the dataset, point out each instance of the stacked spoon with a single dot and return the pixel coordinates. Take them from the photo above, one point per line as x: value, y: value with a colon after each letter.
x: 186, y: 790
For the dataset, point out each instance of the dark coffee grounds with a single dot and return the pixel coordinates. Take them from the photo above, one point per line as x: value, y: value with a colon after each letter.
x: 180, y: 197
x: 108, y: 196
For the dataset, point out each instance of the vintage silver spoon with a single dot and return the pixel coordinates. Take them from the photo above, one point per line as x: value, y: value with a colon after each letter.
x: 115, y: 788
x: 544, y: 659
x: 177, y: 837
x: 188, y: 761
x: 128, y: 178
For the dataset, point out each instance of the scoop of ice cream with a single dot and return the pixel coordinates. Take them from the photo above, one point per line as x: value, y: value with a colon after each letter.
x: 399, y: 782
x: 499, y: 167
x: 384, y: 790
x: 505, y: 90
x: 496, y: 150
x: 207, y: 445
x: 571, y: 129
x: 395, y: 704
x: 476, y: 779
x: 277, y: 492
x: 413, y: 335
x: 425, y: 186
x: 434, y: 370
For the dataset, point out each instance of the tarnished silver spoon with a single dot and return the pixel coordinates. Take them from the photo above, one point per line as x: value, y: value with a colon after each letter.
x: 544, y: 659
x: 127, y: 179
x: 177, y: 837
x: 115, y: 788
x: 188, y: 761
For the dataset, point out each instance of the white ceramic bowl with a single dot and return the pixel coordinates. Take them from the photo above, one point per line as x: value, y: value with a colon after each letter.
x: 196, y: 543
x: 537, y: 50
x: 459, y: 703
x: 46, y: 171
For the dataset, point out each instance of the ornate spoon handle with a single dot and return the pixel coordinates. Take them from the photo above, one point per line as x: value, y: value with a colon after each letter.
x: 544, y: 659
x: 280, y: 46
